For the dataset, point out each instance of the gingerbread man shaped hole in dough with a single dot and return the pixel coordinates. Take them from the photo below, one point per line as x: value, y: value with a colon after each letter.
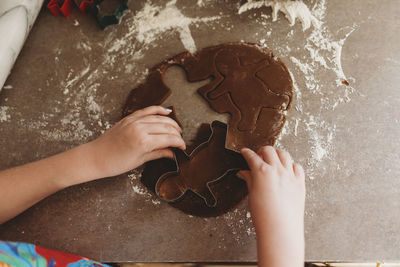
x: 248, y: 92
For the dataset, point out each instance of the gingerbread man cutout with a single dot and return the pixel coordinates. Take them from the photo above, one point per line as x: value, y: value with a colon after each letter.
x: 248, y: 92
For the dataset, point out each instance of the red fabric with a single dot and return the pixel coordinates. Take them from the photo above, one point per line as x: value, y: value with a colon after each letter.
x: 84, y: 5
x: 63, y: 7
x: 61, y: 258
x: 58, y: 7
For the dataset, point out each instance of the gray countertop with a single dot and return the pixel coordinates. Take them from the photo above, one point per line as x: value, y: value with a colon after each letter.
x: 71, y: 80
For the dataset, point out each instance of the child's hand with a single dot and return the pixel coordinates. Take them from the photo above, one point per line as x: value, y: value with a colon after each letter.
x: 276, y: 200
x: 142, y: 136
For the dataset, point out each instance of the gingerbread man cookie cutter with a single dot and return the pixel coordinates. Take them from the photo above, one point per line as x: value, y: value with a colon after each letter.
x: 109, y: 19
x: 171, y: 186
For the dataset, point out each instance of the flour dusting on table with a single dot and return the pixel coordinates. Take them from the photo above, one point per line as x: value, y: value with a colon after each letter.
x: 138, y: 189
x: 149, y: 23
x: 240, y: 224
x: 4, y: 116
x: 292, y: 9
x: 317, y: 74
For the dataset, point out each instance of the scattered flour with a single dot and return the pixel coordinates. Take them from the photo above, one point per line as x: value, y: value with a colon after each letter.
x: 396, y: 62
x: 134, y: 179
x: 200, y: 3
x: 240, y: 223
x: 156, y: 201
x: 84, y: 46
x: 4, y: 116
x: 292, y: 9
x: 152, y: 21
x: 324, y: 50
x: 83, y: 113
x: 320, y: 134
x: 312, y: 73
x: 139, y: 189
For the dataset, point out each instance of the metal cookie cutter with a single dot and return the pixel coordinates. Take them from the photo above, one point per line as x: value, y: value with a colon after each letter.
x: 107, y: 20
x: 208, y: 163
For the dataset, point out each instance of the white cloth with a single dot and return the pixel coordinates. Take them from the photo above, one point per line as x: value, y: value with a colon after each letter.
x: 16, y: 20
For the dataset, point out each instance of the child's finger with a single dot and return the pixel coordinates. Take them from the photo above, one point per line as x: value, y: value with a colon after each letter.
x: 253, y: 160
x: 163, y: 141
x: 160, y: 119
x: 298, y: 170
x: 158, y: 154
x: 269, y: 155
x: 285, y: 158
x: 160, y: 128
x: 152, y: 119
x: 152, y: 110
x: 245, y: 175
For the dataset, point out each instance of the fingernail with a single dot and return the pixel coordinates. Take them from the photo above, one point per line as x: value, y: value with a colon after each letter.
x: 240, y: 176
x: 168, y: 110
x: 246, y: 149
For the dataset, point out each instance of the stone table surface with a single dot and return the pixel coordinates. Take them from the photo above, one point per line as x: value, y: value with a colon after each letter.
x: 71, y: 80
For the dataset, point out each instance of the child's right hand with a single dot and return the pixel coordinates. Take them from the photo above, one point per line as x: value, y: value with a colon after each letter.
x: 276, y: 188
x: 144, y: 135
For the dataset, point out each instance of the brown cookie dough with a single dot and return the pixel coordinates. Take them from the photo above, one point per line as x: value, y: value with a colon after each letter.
x: 247, y: 82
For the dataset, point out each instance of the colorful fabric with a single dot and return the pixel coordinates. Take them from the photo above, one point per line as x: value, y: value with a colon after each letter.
x: 17, y: 254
